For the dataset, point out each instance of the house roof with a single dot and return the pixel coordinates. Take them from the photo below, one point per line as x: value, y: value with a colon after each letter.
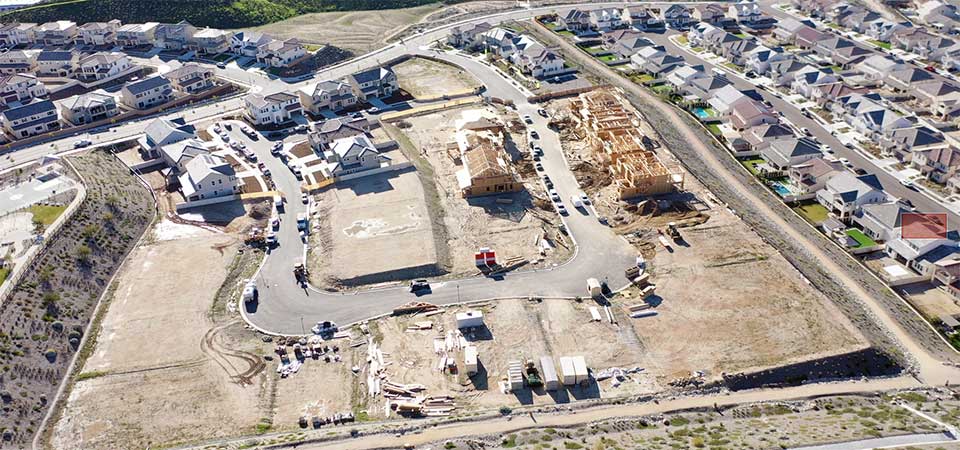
x: 28, y: 110
x: 353, y: 146
x: 339, y: 123
x: 374, y: 74
x: 186, y: 70
x: 146, y: 84
x: 165, y: 131
x: 781, y: 151
x: 710, y: 83
x: 203, y: 165
x: 88, y: 100
x: 886, y: 214
x: 920, y: 136
x: 816, y: 168
x: 851, y: 187
x: 484, y: 160
x: 101, y: 58
x: 53, y: 55
x: 184, y: 148
x: 809, y: 34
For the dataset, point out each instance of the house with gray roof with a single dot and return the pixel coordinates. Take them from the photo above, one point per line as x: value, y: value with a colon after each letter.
x: 844, y: 194
x: 191, y: 78
x: 330, y: 95
x: 378, y: 82
x: 88, y: 108
x: 704, y: 88
x: 902, y: 142
x: 761, y: 136
x: 575, y: 20
x: 337, y: 128
x: 655, y: 60
x: 146, y: 93
x: 465, y: 36
x: 273, y: 109
x: 783, y: 153
x: 812, y: 175
x: 880, y: 221
x: 30, y: 120
x: 678, y: 17
x: 57, y: 63
x: 354, y: 154
x: 163, y: 131
x: 208, y: 176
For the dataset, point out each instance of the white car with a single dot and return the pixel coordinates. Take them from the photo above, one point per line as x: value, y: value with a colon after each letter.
x: 216, y: 128
x: 584, y: 198
x: 554, y: 195
x: 271, y: 239
x: 575, y: 201
x: 562, y: 209
x: 304, y: 198
x: 82, y: 143
x: 846, y: 162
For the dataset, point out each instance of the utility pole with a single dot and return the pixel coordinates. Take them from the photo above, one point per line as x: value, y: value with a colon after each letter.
x: 302, y: 330
x: 458, y: 292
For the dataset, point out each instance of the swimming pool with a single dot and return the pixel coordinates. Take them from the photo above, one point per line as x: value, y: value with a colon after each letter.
x: 781, y: 189
x: 702, y: 113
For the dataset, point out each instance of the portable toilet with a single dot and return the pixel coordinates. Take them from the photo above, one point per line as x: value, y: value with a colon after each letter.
x: 550, y: 380
x: 568, y: 373
x: 470, y: 355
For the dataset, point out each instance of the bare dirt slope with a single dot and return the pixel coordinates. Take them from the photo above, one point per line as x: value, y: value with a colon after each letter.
x: 161, y: 372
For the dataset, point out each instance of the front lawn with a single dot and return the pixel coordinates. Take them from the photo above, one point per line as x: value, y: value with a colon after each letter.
x: 733, y: 66
x: 881, y: 44
x: 682, y: 40
x: 45, y: 214
x: 642, y: 78
x: 4, y: 272
x: 814, y: 212
x: 862, y: 239
x: 222, y: 57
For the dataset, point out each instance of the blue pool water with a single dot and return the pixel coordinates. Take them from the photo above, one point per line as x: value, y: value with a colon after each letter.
x: 701, y: 113
x: 781, y: 189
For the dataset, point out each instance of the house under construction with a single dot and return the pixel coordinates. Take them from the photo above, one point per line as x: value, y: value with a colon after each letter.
x: 612, y: 129
x: 486, y: 166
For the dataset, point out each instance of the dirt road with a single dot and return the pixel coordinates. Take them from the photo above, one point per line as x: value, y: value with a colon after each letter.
x: 564, y: 419
x: 931, y: 369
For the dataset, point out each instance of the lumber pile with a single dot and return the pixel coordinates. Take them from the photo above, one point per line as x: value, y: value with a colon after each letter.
x: 414, y: 307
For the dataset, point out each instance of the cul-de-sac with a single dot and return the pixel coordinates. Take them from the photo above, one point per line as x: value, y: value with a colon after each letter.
x: 491, y: 224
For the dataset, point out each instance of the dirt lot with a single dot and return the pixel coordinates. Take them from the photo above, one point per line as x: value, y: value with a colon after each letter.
x: 426, y: 79
x: 372, y: 229
x: 932, y: 301
x: 162, y: 372
x: 511, y: 230
x: 768, y: 317
x: 357, y: 31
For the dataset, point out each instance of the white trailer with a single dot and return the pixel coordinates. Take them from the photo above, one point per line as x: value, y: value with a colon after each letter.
x: 580, y: 369
x: 549, y: 373
x: 469, y: 319
x: 470, y: 355
x: 568, y: 373
x: 250, y: 291
x: 515, y: 375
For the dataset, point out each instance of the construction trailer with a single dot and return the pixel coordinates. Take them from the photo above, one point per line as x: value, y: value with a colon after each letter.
x: 568, y: 373
x: 470, y: 355
x: 515, y: 375
x: 580, y: 369
x: 550, y: 380
x: 594, y: 287
x: 469, y: 319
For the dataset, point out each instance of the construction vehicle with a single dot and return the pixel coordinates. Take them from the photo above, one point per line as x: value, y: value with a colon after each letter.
x: 255, y: 238
x: 674, y: 232
x: 531, y: 375
x: 300, y: 273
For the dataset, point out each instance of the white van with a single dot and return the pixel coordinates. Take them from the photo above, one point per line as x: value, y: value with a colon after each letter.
x: 576, y: 202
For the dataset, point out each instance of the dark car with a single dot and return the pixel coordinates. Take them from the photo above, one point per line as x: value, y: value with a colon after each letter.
x: 420, y: 287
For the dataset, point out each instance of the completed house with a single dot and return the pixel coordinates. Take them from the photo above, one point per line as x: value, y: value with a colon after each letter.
x: 146, y: 93
x: 137, y: 34
x: 844, y: 194
x: 211, y: 41
x: 30, y: 120
x: 175, y: 36
x: 784, y: 153
x: 99, y: 33
x: 20, y: 88
x: 812, y: 175
x: 575, y: 20
x: 208, y: 176
x: 331, y: 95
x: 102, y: 66
x: 16, y: 34
x: 354, y: 154
x: 645, y: 19
x: 749, y: 113
x: 609, y: 18
x: 163, y: 132
x: 465, y: 36
x: 378, y: 82
x: 57, y: 63
x: 88, y: 108
x: 936, y: 164
x: 678, y: 17
x: 337, y: 128
x: 273, y: 109
x: 248, y: 43
x: 277, y: 53
x: 761, y: 136
x: 655, y: 60
x: 57, y: 34
x: 191, y: 78
x: 18, y: 61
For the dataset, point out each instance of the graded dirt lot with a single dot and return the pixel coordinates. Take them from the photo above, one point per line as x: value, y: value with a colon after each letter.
x: 426, y: 79
x: 357, y: 31
x: 162, y: 371
x: 372, y: 229
x: 512, y: 230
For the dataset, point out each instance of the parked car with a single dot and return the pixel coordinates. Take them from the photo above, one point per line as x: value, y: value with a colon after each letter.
x: 228, y: 126
x: 300, y: 128
x: 271, y: 239
x: 554, y: 195
x: 82, y: 143
x: 908, y: 184
x: 534, y: 135
x: 542, y: 112
x: 584, y: 198
x: 562, y: 209
x: 216, y: 128
x: 304, y: 198
x: 420, y: 286
x: 325, y: 327
x: 539, y: 167
x: 527, y: 119
x: 859, y: 171
x: 275, y: 223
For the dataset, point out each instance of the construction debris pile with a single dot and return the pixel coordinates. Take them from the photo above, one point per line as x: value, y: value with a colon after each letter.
x: 404, y: 399
x: 611, y: 129
x: 618, y: 374
x: 312, y: 348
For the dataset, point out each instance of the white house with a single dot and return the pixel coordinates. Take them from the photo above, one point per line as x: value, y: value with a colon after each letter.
x: 88, y: 108
x: 57, y: 63
x: 18, y: 61
x: 846, y: 193
x: 15, y: 34
x: 102, y: 66
x: 354, y: 154
x: 331, y: 95
x: 99, y: 33
x: 248, y: 43
x: 161, y: 132
x: 211, y: 41
x: 30, y: 120
x: 208, y: 176
x: 146, y: 93
x: 59, y: 33
x: 20, y: 87
x: 273, y: 109
x: 137, y: 34
x: 784, y: 153
x: 608, y: 18
x: 191, y: 78
x: 277, y: 53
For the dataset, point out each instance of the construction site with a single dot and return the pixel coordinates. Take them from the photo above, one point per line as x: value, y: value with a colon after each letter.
x: 486, y: 187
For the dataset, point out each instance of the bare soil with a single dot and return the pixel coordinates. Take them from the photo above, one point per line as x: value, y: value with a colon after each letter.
x: 426, y: 79
x: 509, y: 229
x: 163, y: 371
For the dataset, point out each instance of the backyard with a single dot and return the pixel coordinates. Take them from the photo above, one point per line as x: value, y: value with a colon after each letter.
x: 863, y: 241
x: 813, y: 212
x: 46, y: 214
x: 751, y: 163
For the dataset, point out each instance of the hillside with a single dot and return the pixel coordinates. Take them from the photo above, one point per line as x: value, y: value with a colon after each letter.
x: 211, y: 13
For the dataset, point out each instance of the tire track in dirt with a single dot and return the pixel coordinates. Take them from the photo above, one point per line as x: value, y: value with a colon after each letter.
x: 212, y: 346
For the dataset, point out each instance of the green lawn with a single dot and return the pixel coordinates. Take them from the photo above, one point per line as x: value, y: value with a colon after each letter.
x: 607, y: 58
x: 741, y: 35
x: 4, y: 271
x: 733, y: 66
x: 814, y: 212
x: 750, y: 164
x: 661, y: 88
x: 682, y: 39
x: 881, y: 44
x: 46, y: 214
x: 565, y: 33
x: 697, y: 49
x: 312, y: 47
x: 222, y: 57
x: 715, y: 130
x: 642, y: 78
x: 862, y: 239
